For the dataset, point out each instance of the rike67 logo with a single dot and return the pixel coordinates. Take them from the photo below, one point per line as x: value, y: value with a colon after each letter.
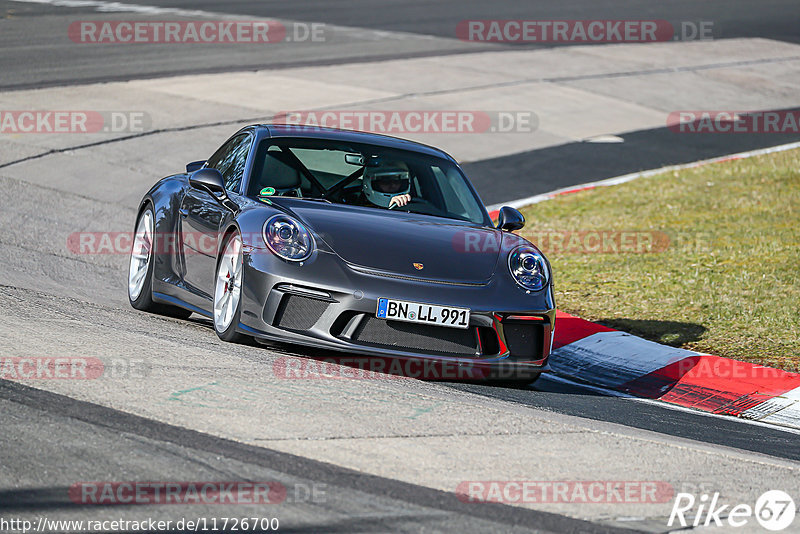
x: 775, y: 510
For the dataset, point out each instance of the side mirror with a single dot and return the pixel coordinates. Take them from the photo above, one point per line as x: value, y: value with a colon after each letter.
x: 195, y: 166
x: 209, y: 180
x: 510, y: 219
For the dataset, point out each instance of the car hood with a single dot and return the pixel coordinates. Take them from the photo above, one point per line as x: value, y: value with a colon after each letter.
x: 395, y: 241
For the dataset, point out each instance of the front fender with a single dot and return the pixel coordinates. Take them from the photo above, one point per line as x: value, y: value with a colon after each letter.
x: 165, y: 197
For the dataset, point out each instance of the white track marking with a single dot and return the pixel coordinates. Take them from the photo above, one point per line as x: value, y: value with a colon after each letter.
x: 781, y: 410
x: 611, y: 359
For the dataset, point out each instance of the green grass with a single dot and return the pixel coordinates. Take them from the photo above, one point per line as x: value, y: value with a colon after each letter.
x: 727, y: 282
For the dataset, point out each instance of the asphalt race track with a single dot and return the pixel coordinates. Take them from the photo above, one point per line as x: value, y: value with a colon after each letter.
x: 34, y: 52
x: 382, y: 455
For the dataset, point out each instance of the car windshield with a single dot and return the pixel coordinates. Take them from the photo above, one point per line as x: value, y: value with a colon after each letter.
x: 363, y: 175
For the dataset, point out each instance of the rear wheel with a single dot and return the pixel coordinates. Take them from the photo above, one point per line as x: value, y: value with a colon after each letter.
x: 228, y: 290
x: 140, y: 269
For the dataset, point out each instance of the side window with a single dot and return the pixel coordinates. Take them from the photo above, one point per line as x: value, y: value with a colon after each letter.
x: 230, y: 161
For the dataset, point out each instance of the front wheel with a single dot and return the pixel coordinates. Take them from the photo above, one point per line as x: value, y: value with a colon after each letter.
x: 228, y: 290
x: 140, y: 270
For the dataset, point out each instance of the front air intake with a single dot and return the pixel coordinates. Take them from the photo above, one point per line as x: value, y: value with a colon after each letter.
x: 525, y: 339
x: 299, y: 313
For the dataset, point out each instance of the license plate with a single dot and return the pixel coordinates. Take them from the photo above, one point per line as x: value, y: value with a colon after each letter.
x: 417, y: 312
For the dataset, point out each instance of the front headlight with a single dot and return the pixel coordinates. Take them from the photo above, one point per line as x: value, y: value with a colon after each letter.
x: 528, y: 267
x: 288, y: 238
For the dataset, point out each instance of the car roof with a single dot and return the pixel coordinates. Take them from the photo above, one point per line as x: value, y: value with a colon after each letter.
x: 351, y: 136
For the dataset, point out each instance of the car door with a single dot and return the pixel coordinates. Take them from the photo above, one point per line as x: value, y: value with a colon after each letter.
x: 202, y: 215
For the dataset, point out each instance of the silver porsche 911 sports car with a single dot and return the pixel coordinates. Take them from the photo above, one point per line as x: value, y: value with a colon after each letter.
x: 343, y: 240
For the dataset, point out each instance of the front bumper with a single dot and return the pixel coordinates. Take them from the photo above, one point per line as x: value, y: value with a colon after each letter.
x: 327, y: 303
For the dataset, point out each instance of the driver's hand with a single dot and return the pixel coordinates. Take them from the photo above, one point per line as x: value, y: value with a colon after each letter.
x: 400, y: 201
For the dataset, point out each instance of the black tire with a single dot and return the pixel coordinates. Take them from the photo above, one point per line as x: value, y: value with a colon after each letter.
x: 144, y: 301
x: 229, y: 334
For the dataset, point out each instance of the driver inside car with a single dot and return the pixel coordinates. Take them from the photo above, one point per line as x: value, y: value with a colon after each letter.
x: 388, y: 185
